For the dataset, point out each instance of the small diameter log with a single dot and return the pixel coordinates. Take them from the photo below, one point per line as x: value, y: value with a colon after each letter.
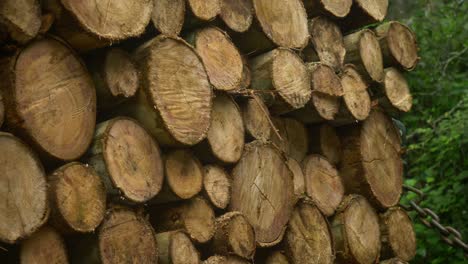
x: 364, y: 12
x: 399, y: 46
x: 78, y: 198
x: 337, y: 9
x: 324, y: 141
x: 128, y: 159
x: 217, y: 259
x: 217, y: 186
x: 42, y: 247
x: 393, y: 261
x: 20, y: 20
x: 237, y: 14
x: 194, y: 216
x: 87, y: 25
x: 298, y: 178
x: 263, y: 190
x: 371, y: 164
x: 356, y: 233
x: 277, y: 258
x: 204, y: 10
x: 168, y: 16
x: 282, y: 78
x: 394, y: 94
x: 174, y: 102
x: 50, y: 102
x: 23, y: 188
x: 294, y: 139
x: 308, y: 238
x: 363, y: 50
x: 398, y: 237
x: 256, y: 118
x: 175, y: 247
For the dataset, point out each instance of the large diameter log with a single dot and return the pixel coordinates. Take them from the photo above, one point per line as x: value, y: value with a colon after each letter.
x: 50, y: 102
x: 237, y: 14
x: 322, y: 183
x: 78, y: 198
x: 364, y: 12
x: 256, y: 117
x: 174, y: 102
x: 356, y: 234
x: 282, y: 79
x: 23, y: 188
x: 324, y: 141
x: 128, y: 159
x: 175, y: 247
x: 293, y: 140
x: 277, y: 257
x: 217, y: 186
x: 21, y: 20
x: 298, y: 178
x: 394, y: 93
x: 398, y: 237
x: 263, y: 191
x: 218, y: 259
x: 399, y: 46
x: 87, y: 25
x: 338, y: 9
x: 371, y: 163
x: 42, y: 247
x: 308, y: 238
x: 168, y: 16
x: 204, y: 10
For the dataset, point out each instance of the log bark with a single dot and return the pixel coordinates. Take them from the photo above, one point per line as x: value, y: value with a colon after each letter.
x: 175, y: 247
x: 336, y: 9
x: 77, y: 197
x: 234, y: 236
x: 256, y: 117
x: 194, y: 216
x: 398, y: 237
x: 263, y: 191
x: 168, y: 16
x: 308, y: 237
x: 399, y: 46
x: 217, y: 186
x: 204, y: 10
x: 356, y: 233
x: 174, y: 102
x: 20, y: 20
x: 50, y: 102
x: 128, y: 160
x: 42, y: 247
x: 322, y: 183
x: 277, y: 258
x: 237, y: 14
x: 282, y: 78
x: 324, y: 141
x: 298, y: 178
x: 24, y: 190
x: 217, y: 259
x: 371, y: 163
x: 294, y: 141
x: 394, y: 95
x: 364, y: 12
x: 363, y: 50
x: 81, y: 23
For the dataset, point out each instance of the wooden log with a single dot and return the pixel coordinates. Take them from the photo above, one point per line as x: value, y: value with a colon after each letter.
x: 399, y: 46
x: 356, y: 234
x: 298, y: 178
x: 42, y: 247
x: 174, y: 102
x: 393, y: 261
x: 371, y: 163
x: 24, y: 190
x: 364, y: 12
x: 20, y: 20
x: 204, y: 10
x: 263, y: 191
x: 237, y: 14
x: 308, y: 238
x: 398, y: 237
x: 128, y: 160
x: 282, y: 79
x: 322, y: 183
x: 217, y: 186
x: 168, y: 16
x: 277, y: 258
x: 87, y: 25
x: 256, y: 117
x: 2, y: 110
x: 246, y: 75
x: 217, y: 259
x: 175, y: 247
x: 337, y: 9
x: 234, y: 236
x: 50, y: 102
x: 78, y: 198
x: 294, y: 139
x: 194, y: 216
x: 363, y: 50
x: 324, y: 141
x: 394, y: 95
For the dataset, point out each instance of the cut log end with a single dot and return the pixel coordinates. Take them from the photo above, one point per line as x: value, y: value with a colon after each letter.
x: 184, y: 174
x: 21, y: 20
x: 277, y: 258
x: 44, y: 246
x: 328, y: 41
x: 256, y: 118
x: 237, y: 14
x: 294, y: 141
x: 356, y: 97
x: 397, y: 90
x: 2, y: 110
x: 338, y: 9
x: 375, y: 9
x: 175, y: 247
x: 326, y: 90
x: 325, y: 141
x: 217, y: 186
x: 205, y: 9
x: 398, y: 237
x: 199, y: 220
x: 217, y: 259
x: 168, y: 16
x: 121, y: 74
x: 298, y: 177
x: 371, y: 55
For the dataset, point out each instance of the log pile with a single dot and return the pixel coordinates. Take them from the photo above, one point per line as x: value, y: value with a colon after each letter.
x: 195, y: 131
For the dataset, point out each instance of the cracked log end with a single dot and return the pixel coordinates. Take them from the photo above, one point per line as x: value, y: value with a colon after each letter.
x: 175, y: 247
x: 184, y: 173
x: 294, y: 140
x: 357, y: 101
x: 20, y: 19
x: 217, y: 186
x: 398, y: 237
x: 205, y: 9
x: 396, y: 91
x: 44, y: 246
x: 324, y: 140
x: 237, y: 14
x: 168, y: 16
x: 256, y: 118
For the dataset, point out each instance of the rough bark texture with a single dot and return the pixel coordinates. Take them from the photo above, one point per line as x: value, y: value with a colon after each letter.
x: 356, y: 234
x: 205, y: 10
x: 217, y: 259
x: 128, y: 159
x: 237, y: 14
x: 338, y: 9
x: 308, y: 238
x: 394, y: 94
x: 217, y: 186
x: 371, y: 163
x: 175, y: 247
x: 20, y: 19
x: 23, y: 188
x: 364, y: 12
x: 298, y: 177
x: 256, y: 115
x: 277, y: 258
x: 263, y: 191
x: 168, y: 16
x: 42, y: 247
x: 324, y: 141
x: 294, y: 141
x: 50, y: 102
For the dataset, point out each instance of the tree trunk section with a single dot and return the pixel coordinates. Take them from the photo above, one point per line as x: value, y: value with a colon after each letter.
x: 330, y: 8
x: 20, y: 19
x: 356, y: 233
x: 175, y: 247
x: 364, y: 12
x: 298, y: 178
x: 394, y: 95
x: 50, y: 102
x: 204, y: 10
x: 217, y: 186
x: 217, y: 259
x: 256, y: 117
x: 277, y: 258
x: 294, y: 141
x: 42, y: 247
x: 128, y: 159
x: 237, y: 14
x: 324, y: 141
x: 24, y: 190
x: 263, y: 191
x: 168, y: 16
